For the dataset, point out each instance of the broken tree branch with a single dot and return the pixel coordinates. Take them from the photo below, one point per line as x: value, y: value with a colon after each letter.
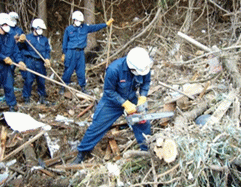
x: 24, y: 145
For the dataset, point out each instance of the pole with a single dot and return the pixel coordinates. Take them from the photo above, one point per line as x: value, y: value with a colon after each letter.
x: 31, y: 45
x: 80, y: 94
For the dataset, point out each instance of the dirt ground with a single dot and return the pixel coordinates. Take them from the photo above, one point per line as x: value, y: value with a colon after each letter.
x: 162, y: 36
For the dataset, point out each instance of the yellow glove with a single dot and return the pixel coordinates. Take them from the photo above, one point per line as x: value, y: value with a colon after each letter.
x: 129, y: 107
x: 109, y: 22
x: 22, y: 38
x: 47, y: 63
x: 22, y: 66
x: 16, y: 37
x: 141, y: 100
x: 62, y: 57
x: 8, y: 60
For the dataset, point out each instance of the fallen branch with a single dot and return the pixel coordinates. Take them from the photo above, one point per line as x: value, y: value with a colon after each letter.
x: 133, y: 153
x: 24, y: 145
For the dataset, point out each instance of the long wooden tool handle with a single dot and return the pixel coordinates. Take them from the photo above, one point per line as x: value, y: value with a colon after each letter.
x: 80, y: 94
x: 31, y: 45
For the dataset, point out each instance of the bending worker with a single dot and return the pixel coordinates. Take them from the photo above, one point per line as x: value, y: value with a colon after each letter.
x: 123, y: 78
x: 34, y: 61
x: 9, y: 52
x: 74, y: 43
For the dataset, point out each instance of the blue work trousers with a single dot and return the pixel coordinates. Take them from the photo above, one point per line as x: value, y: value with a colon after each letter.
x: 75, y: 60
x: 36, y: 65
x: 105, y: 115
x: 6, y: 80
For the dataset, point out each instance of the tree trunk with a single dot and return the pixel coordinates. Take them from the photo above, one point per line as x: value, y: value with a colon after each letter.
x: 42, y: 12
x: 2, y: 5
x: 90, y: 19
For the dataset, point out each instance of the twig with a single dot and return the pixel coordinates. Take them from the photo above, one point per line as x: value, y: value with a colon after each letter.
x: 85, y: 110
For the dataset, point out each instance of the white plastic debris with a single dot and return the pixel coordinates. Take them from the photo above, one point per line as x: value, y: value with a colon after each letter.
x: 52, y: 144
x: 3, y: 177
x: 22, y: 122
x: 42, y: 116
x: 136, y: 19
x: 66, y: 120
x: 114, y: 171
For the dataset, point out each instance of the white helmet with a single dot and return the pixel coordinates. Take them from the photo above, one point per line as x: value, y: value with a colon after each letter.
x: 13, y: 18
x: 139, y: 60
x: 78, y: 16
x: 38, y: 23
x: 4, y: 19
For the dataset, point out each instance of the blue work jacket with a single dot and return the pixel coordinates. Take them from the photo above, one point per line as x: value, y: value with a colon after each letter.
x: 121, y: 85
x: 76, y: 37
x: 40, y: 43
x: 16, y: 30
x: 9, y: 48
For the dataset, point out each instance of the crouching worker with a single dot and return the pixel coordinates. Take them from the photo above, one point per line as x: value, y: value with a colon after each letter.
x: 34, y: 61
x: 9, y: 52
x: 122, y: 80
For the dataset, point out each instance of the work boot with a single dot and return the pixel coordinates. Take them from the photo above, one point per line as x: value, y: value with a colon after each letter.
x: 42, y: 100
x: 12, y: 109
x: 26, y: 100
x: 61, y: 91
x: 80, y: 157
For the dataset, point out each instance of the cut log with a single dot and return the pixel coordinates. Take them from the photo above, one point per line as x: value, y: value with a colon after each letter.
x: 166, y: 149
x: 169, y: 150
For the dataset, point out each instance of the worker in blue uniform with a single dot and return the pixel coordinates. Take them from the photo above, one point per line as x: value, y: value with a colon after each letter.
x: 9, y: 52
x: 13, y: 25
x: 74, y: 43
x: 124, y: 77
x: 17, y: 31
x: 34, y: 61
